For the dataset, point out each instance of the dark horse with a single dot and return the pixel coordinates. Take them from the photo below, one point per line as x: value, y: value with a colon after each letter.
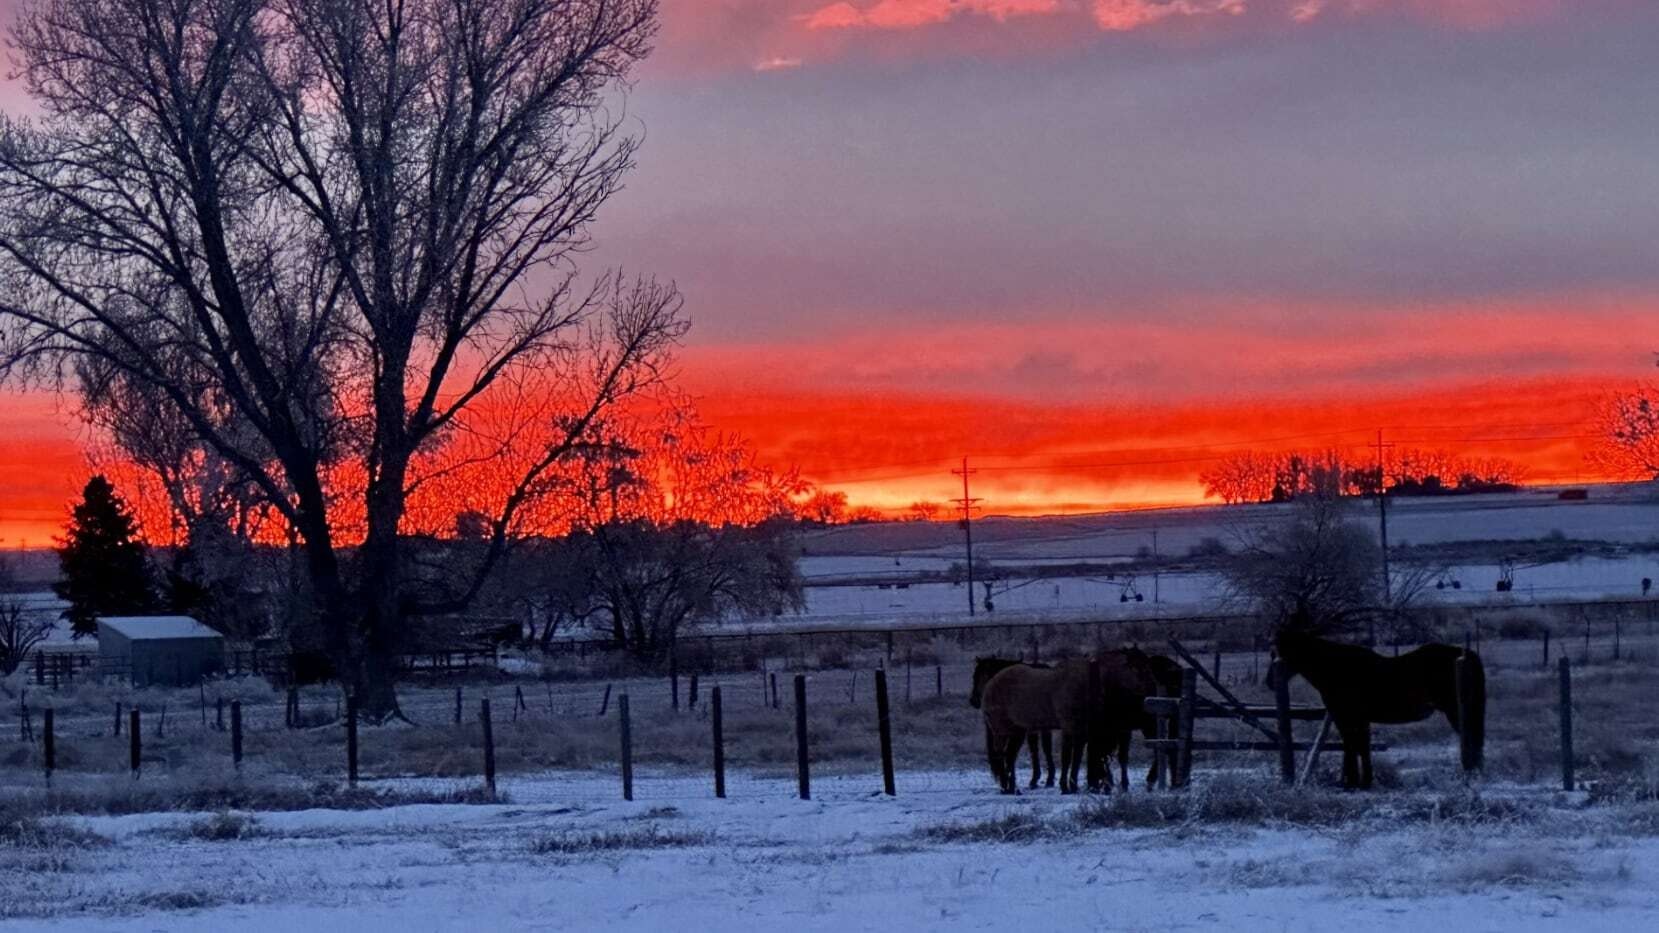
x: 984, y: 670
x: 1166, y: 680
x: 1361, y: 687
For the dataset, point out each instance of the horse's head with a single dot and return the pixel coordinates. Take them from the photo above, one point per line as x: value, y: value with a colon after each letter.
x: 984, y: 669
x: 1290, y: 649
x: 1166, y: 673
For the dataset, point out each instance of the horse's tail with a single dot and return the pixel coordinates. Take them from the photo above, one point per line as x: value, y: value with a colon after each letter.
x: 1474, y: 712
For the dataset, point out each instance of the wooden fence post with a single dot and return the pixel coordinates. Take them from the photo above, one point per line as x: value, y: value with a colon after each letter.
x: 939, y: 680
x: 1281, y: 702
x: 1470, y: 752
x: 457, y: 706
x: 49, y: 743
x: 117, y: 718
x: 674, y: 679
x: 884, y: 725
x: 1189, y: 704
x: 801, y: 764
x: 1546, y: 649
x: 774, y: 689
x: 236, y: 733
x: 1215, y: 668
x: 691, y: 694
x: 719, y: 744
x: 1566, y: 725
x: 135, y: 746
x: 219, y: 714
x: 605, y: 703
x: 489, y: 744
x: 351, y: 739
x: 852, y: 688
x: 627, y: 748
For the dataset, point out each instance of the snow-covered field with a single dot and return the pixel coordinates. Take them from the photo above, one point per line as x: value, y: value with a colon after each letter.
x: 947, y: 853
x: 1194, y: 592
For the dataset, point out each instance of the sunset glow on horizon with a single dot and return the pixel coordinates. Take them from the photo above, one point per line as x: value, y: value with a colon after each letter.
x: 1092, y: 245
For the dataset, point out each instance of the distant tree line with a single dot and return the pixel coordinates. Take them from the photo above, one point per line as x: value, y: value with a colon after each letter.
x: 1265, y: 476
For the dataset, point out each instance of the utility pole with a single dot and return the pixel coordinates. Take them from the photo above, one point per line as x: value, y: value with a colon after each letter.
x: 967, y: 503
x: 1155, y: 564
x: 1382, y: 524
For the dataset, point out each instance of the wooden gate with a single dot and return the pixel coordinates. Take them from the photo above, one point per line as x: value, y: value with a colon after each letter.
x: 1176, y: 716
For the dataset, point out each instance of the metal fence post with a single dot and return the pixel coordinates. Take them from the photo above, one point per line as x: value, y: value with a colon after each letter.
x: 1566, y: 725
x: 802, y: 766
x: 884, y: 725
x: 719, y: 743
x: 627, y: 747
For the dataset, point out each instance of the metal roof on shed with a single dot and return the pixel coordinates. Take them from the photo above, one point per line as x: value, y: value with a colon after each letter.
x: 141, y: 628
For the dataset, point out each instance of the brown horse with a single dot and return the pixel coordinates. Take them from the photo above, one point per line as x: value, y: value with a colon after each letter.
x: 1361, y: 687
x: 984, y: 670
x: 1021, y: 699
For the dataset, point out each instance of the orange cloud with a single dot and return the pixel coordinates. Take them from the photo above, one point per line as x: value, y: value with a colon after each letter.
x: 1126, y: 15
x: 910, y: 14
x: 1129, y: 15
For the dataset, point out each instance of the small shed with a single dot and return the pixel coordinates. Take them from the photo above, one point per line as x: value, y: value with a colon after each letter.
x: 172, y: 651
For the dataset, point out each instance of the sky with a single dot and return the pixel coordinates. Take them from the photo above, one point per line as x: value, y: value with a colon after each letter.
x: 1090, y: 243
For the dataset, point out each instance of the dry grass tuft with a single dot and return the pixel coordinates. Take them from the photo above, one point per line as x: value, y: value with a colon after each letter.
x: 650, y: 837
x: 224, y: 826
x: 1009, y: 827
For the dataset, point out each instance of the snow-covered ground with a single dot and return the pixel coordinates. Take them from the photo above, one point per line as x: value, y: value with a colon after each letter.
x: 566, y: 853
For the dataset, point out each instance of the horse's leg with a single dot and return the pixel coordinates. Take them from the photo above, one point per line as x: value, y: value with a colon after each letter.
x: 1033, y: 741
x: 1365, y: 756
x: 1123, y: 758
x: 993, y: 755
x: 1080, y: 749
x: 1009, y: 758
x: 1157, y: 763
x: 1048, y: 754
x: 1350, y: 733
x: 1070, y: 764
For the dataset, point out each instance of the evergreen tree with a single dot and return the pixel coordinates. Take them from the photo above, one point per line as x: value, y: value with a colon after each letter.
x: 103, y: 563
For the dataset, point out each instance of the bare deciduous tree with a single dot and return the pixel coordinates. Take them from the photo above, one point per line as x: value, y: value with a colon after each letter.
x: 1317, y: 565
x: 20, y: 629
x: 646, y: 583
x: 327, y: 235
x: 1628, y: 425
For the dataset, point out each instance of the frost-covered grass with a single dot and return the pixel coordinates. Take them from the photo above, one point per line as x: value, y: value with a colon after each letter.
x: 1233, y: 847
x: 181, y: 794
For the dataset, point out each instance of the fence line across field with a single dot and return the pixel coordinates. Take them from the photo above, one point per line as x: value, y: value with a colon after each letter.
x: 1176, y: 742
